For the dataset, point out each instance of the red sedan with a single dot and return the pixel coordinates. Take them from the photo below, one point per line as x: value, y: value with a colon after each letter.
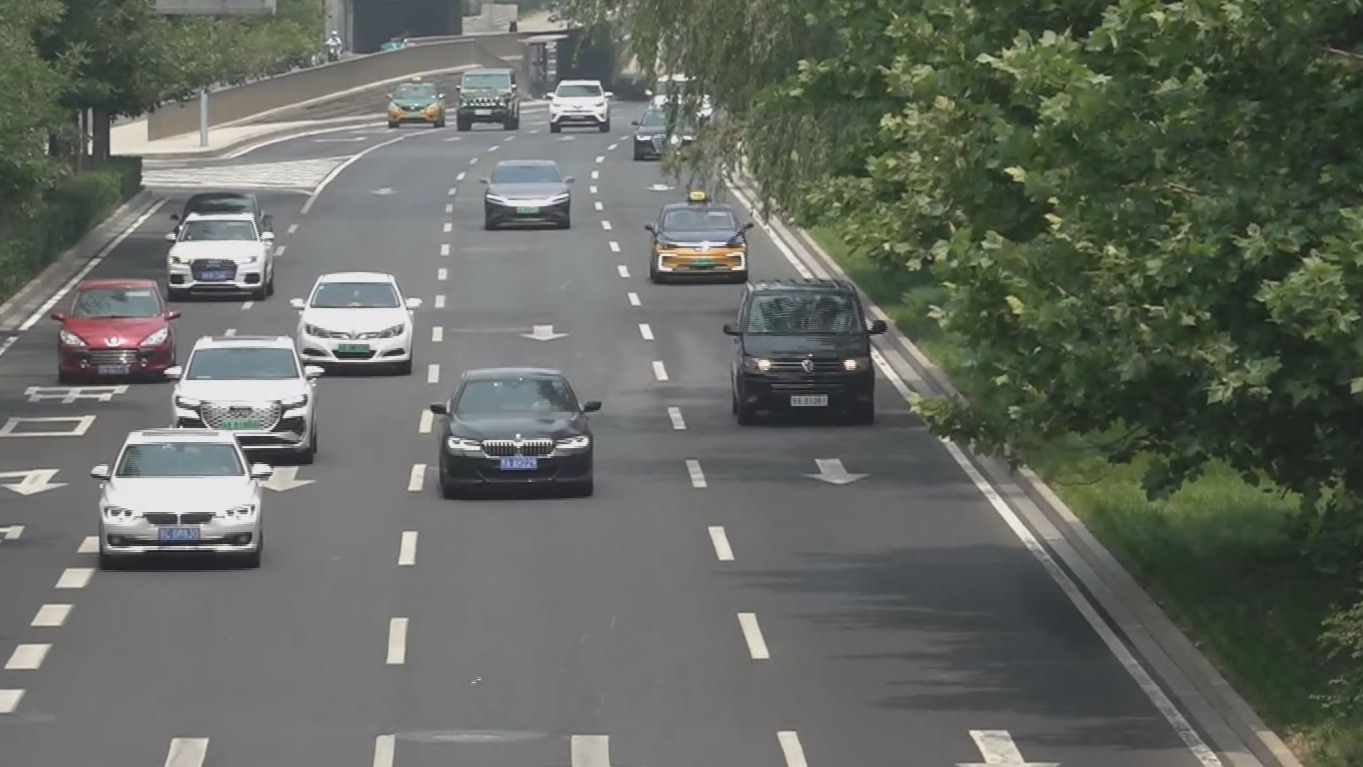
x: 115, y: 329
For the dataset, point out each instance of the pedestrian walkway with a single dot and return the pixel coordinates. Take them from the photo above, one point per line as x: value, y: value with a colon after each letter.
x: 290, y: 175
x: 131, y: 138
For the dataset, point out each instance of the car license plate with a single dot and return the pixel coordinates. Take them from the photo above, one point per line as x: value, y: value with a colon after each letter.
x: 353, y: 348
x: 482, y: 112
x: 809, y: 400
x: 113, y: 370
x: 213, y: 276
x: 520, y: 463
x: 703, y: 262
x: 178, y: 534
x: 240, y: 424
x: 527, y: 210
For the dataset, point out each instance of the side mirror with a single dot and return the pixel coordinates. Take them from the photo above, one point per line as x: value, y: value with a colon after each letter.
x: 649, y: 228
x: 59, y: 316
x: 591, y: 407
x: 635, y: 123
x: 439, y: 408
x: 569, y: 179
x: 730, y: 330
x: 610, y: 94
x: 549, y: 97
x: 297, y: 303
x: 261, y: 471
x: 514, y: 86
x: 440, y: 96
x: 648, y: 92
x: 483, y: 181
x: 313, y: 371
x: 267, y: 236
x: 878, y: 327
x: 173, y: 314
x: 100, y: 472
x: 748, y: 226
x: 174, y: 373
x: 414, y: 303
x: 175, y: 217
x: 170, y: 237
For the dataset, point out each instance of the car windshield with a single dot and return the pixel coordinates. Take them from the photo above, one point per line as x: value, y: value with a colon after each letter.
x: 516, y: 395
x: 415, y: 91
x: 355, y: 295
x: 526, y: 174
x: 219, y: 204
x: 670, y: 88
x: 804, y: 314
x: 486, y: 82
x: 699, y: 219
x: 242, y: 364
x: 212, y: 231
x: 578, y: 91
x: 116, y: 302
x: 180, y: 459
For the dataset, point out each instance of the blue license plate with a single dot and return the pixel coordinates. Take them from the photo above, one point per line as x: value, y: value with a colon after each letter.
x: 178, y: 534
x: 520, y: 463
x: 214, y: 276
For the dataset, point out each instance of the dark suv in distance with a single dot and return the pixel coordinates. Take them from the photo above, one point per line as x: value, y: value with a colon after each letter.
x: 488, y: 96
x: 803, y: 346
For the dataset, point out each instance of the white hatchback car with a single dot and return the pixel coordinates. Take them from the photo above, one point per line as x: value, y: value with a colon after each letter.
x: 580, y: 103
x: 180, y: 490
x: 220, y: 253
x: 357, y: 319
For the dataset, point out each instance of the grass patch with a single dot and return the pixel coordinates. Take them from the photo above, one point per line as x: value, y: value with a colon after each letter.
x: 1216, y: 556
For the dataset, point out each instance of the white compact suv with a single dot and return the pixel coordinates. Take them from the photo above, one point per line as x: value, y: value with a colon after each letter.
x: 253, y: 386
x: 180, y: 490
x: 357, y: 319
x: 220, y: 253
x: 580, y: 103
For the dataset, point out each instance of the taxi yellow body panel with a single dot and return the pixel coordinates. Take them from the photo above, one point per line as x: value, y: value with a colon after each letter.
x: 702, y: 260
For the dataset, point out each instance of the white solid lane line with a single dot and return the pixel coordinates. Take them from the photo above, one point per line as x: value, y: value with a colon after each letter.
x: 407, y: 549
x: 9, y: 700
x: 646, y: 331
x: 397, y: 641
x: 597, y: 204
x: 187, y: 752
x: 623, y: 271
x: 27, y: 657
x: 697, y: 475
x: 293, y: 228
x: 88, y: 545
x: 442, y: 274
x: 791, y: 748
x: 427, y: 421
x: 417, y: 478
x: 752, y: 634
x: 614, y: 246
x: 75, y: 578
x: 385, y: 750
x: 440, y: 302
x: 230, y: 332
x: 448, y: 227
x: 51, y: 616
x: 674, y: 414
x: 437, y: 334
x: 720, y: 540
x: 433, y: 373
x: 247, y: 305
x: 634, y: 299
x: 659, y: 370
x: 606, y: 225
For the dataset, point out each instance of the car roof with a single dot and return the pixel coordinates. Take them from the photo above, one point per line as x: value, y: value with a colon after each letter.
x: 239, y: 216
x: 494, y: 374
x: 227, y: 342
x: 674, y: 78
x: 493, y: 70
x: 152, y: 436
x: 579, y: 82
x: 357, y: 277
x: 112, y: 283
x: 801, y: 284
x: 527, y: 163
x: 697, y: 205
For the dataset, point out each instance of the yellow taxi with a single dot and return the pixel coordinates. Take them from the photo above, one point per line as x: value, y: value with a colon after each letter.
x: 698, y: 238
x: 416, y: 101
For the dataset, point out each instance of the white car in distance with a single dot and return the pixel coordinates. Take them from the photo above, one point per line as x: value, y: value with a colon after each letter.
x: 220, y: 253
x: 180, y: 490
x: 580, y: 103
x: 357, y: 319
x: 676, y: 89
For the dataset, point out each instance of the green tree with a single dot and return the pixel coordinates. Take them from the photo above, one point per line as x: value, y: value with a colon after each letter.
x: 31, y: 111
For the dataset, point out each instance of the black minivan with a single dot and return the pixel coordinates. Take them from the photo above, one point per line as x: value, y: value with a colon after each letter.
x: 803, y: 346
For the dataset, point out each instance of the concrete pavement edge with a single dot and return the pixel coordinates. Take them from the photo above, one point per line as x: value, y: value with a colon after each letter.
x: 1219, y: 711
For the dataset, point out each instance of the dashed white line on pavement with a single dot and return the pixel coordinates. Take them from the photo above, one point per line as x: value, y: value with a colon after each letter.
x: 75, y: 578
x: 279, y: 251
x: 720, y: 540
x: 458, y: 177
x: 187, y: 752
x: 427, y: 422
x: 293, y: 228
x: 442, y: 274
x: 752, y: 634
x: 437, y: 334
x: 417, y: 478
x: 433, y: 373
x: 385, y: 750
x: 247, y: 305
x: 440, y: 302
x: 449, y: 208
x: 397, y: 641
x: 612, y: 147
x: 597, y: 204
x: 473, y: 161
x: 606, y: 225
x: 646, y: 331
x: 634, y: 299
x: 614, y: 246
x: 445, y: 249
x: 508, y: 138
x: 600, y: 158
x: 9, y: 700
x: 449, y: 227
x: 675, y: 416
x: 596, y: 175
x: 51, y: 616
x: 791, y: 748
x: 622, y: 270
x: 659, y: 370
x: 592, y: 189
x: 88, y: 545
x: 696, y: 473
x: 451, y: 192
x: 407, y: 549
x: 27, y: 657
x: 494, y: 147
x: 533, y: 131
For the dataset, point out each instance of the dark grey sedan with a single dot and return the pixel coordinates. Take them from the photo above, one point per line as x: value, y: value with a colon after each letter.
x: 527, y: 192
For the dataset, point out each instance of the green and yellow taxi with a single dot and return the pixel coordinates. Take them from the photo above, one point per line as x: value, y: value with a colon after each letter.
x: 698, y: 238
x: 416, y: 101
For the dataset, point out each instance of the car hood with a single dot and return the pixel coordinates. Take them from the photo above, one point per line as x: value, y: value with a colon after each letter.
x: 577, y: 101
x: 714, y: 237
x: 415, y: 103
x: 243, y: 391
x: 355, y: 320
x: 815, y: 347
x: 110, y: 332
x: 528, y: 191
x: 229, y: 249
x: 483, y: 93
x: 529, y: 426
x: 178, y: 495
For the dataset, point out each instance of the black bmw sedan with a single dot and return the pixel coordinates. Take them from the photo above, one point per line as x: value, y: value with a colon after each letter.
x: 515, y: 426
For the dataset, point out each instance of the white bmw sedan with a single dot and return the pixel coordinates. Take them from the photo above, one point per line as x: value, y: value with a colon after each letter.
x: 357, y: 319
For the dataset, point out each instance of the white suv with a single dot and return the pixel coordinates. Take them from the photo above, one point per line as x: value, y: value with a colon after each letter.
x: 253, y: 386
x: 220, y: 253
x: 174, y: 490
x: 580, y: 102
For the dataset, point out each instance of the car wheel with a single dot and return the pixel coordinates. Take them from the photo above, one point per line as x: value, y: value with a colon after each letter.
x: 654, y: 276
x: 863, y: 414
x: 392, y: 125
x: 261, y: 293
x: 567, y: 223
x: 747, y: 414
x: 438, y: 123
x: 555, y: 128
x: 308, y: 455
x: 606, y: 126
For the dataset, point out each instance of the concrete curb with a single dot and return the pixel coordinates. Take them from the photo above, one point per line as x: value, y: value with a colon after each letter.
x: 1219, y: 712
x: 43, y: 287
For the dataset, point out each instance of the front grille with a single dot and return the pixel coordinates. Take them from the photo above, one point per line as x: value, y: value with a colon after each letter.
x: 113, y: 356
x: 795, y: 366
x: 658, y: 143
x: 262, y: 416
x: 499, y: 448
x: 159, y: 518
x: 364, y: 355
x: 199, y: 266
x: 196, y: 518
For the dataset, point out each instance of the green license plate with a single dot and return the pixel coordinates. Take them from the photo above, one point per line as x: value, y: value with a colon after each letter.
x: 527, y: 211
x: 354, y: 348
x: 240, y: 425
x: 702, y: 262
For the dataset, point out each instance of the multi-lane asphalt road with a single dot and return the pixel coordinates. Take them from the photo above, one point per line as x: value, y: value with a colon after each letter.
x: 713, y: 604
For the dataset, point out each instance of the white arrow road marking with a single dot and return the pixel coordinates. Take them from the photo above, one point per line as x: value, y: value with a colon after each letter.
x: 997, y: 748
x: 833, y: 472
x: 27, y: 657
x: 385, y: 746
x: 285, y: 478
x: 384, y: 192
x: 720, y: 540
x: 397, y: 641
x: 543, y: 333
x: 50, y: 616
x: 9, y: 700
x: 187, y: 752
x: 407, y: 549
x: 791, y: 748
x: 674, y: 413
x: 590, y: 751
x: 11, y: 533
x: 696, y: 474
x: 75, y: 577
x: 752, y: 634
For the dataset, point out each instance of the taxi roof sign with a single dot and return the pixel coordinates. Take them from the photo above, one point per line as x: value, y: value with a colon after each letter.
x: 698, y: 196
x: 416, y: 79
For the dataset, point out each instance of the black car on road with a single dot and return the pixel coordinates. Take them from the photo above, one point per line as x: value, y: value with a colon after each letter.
x: 488, y: 96
x: 507, y: 427
x: 224, y: 202
x: 803, y: 346
x: 655, y: 134
x: 527, y: 192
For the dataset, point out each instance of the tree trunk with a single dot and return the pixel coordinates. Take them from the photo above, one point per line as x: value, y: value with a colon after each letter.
x: 102, y: 126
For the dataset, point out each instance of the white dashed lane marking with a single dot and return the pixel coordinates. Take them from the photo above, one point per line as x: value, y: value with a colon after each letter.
x: 442, y: 274
x: 606, y: 225
x: 600, y: 158
x: 385, y: 750
x: 449, y: 208
x: 293, y: 228
x: 659, y: 370
x: 51, y: 616
x: 592, y: 189
x: 417, y: 478
x: 597, y: 205
x: 752, y: 634
x: 230, y: 332
x: 612, y: 147
x: 596, y: 174
x: 407, y: 549
x: 614, y: 246
x: 187, y: 752
x: 397, y: 641
x: 720, y: 540
x: 440, y: 302
x: 645, y: 331
x: 88, y: 545
x: 9, y: 700
x: 457, y: 178
x: 791, y: 748
x: 247, y: 305
x: 634, y: 299
x: 623, y: 271
x: 437, y: 334
x: 445, y: 249
x: 696, y: 474
x: 449, y: 227
x: 27, y: 657
x: 427, y: 422
x: 433, y: 373
x: 451, y: 192
x: 75, y: 578
x: 674, y: 415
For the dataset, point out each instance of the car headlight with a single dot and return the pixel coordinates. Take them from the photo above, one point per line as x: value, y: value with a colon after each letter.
x: 461, y: 445
x: 298, y: 401
x: 188, y: 403
x: 117, y: 513
x: 178, y: 260
x: 495, y: 199
x: 315, y: 331
x: 566, y: 196
x: 248, y: 260
x: 599, y: 105
x: 757, y: 364
x: 580, y: 442
x: 157, y: 338
x: 394, y: 331
x: 71, y: 339
x: 237, y: 513
x: 857, y: 363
